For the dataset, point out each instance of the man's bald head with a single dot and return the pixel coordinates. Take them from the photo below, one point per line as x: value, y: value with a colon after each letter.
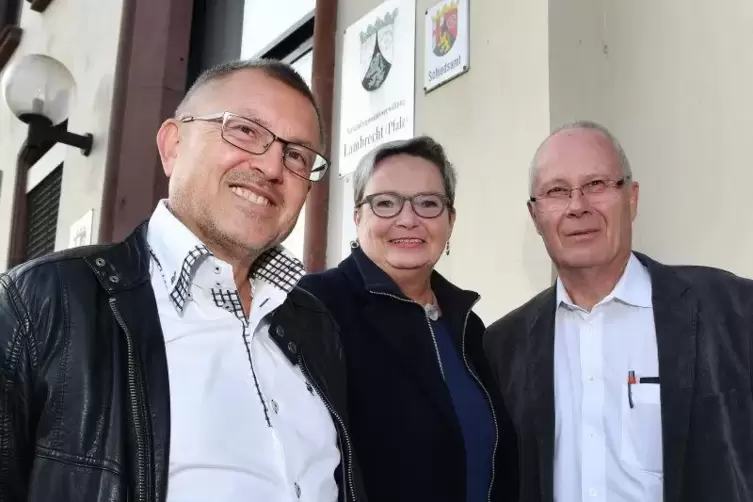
x: 583, y: 125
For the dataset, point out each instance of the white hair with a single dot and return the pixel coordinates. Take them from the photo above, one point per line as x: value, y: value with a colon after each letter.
x: 582, y: 124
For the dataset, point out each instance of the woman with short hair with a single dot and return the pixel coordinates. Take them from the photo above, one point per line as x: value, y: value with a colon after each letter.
x: 426, y: 425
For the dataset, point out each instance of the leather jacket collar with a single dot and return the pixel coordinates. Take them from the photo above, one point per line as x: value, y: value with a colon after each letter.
x: 125, y: 265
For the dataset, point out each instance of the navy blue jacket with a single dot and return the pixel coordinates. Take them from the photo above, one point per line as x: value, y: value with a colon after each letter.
x: 404, y: 430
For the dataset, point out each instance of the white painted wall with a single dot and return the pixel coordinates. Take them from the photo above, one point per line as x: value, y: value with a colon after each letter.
x: 65, y: 31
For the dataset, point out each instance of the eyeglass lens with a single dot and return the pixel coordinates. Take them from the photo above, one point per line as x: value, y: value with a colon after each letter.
x: 254, y: 138
x: 387, y: 205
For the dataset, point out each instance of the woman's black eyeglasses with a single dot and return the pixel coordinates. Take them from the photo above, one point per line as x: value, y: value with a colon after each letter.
x: 389, y: 204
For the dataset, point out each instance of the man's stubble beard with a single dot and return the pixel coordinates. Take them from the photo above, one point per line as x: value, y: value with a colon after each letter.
x: 239, y: 248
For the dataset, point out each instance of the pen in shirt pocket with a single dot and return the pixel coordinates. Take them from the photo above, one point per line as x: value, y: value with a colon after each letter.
x: 632, y: 380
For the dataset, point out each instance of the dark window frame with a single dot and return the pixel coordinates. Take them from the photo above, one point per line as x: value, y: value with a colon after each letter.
x: 292, y: 43
x: 10, y: 31
x: 288, y: 46
x: 27, y: 157
x: 10, y: 12
x: 46, y: 194
x: 39, y: 5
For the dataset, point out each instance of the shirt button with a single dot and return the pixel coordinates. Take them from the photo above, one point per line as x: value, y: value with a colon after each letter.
x: 592, y: 492
x: 275, y: 407
x: 297, y: 490
x: 590, y: 378
x: 217, y: 269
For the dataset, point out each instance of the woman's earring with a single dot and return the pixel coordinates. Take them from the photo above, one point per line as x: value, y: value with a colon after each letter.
x: 353, y: 244
x: 447, y: 251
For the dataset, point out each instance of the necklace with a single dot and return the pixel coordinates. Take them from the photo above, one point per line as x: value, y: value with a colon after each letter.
x: 432, y: 309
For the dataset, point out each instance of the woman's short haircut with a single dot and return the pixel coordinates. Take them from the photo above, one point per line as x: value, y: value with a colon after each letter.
x: 423, y: 147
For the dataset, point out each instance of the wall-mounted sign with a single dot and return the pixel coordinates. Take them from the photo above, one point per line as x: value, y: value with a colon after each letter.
x: 447, y: 53
x: 80, y: 233
x: 377, y: 79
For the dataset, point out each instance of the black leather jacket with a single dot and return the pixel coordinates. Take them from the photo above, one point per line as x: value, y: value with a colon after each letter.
x: 84, y: 394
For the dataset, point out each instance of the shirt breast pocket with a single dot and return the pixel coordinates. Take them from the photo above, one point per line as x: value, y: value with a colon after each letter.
x: 641, y: 443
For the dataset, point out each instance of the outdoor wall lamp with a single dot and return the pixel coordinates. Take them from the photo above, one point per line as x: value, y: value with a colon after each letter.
x: 38, y: 89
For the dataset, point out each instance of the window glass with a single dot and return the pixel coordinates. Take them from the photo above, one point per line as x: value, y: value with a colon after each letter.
x: 305, y: 66
x: 266, y: 21
x: 294, y: 242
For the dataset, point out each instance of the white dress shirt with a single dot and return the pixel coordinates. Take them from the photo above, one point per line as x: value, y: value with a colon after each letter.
x: 245, y: 423
x: 605, y: 450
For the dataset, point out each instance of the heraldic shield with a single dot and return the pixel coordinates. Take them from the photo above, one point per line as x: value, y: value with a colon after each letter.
x: 445, y: 30
x: 377, y: 51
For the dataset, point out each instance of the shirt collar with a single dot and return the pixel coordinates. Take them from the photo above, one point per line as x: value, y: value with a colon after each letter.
x: 633, y: 288
x: 178, y: 253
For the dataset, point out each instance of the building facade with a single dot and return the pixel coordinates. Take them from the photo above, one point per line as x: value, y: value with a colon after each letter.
x: 671, y: 79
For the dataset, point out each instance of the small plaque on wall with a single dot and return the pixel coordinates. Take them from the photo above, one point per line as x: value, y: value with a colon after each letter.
x: 80, y: 233
x: 446, y: 42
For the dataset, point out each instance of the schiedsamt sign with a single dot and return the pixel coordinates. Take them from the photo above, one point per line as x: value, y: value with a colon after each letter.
x: 377, y: 79
x: 446, y: 44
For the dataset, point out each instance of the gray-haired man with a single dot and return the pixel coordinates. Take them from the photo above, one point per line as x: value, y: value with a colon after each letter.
x: 628, y: 380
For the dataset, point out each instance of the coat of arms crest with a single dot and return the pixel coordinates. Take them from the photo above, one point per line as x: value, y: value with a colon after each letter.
x: 377, y: 51
x: 445, y: 29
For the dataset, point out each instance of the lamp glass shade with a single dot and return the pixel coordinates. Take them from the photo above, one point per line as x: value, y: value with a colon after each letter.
x: 36, y: 84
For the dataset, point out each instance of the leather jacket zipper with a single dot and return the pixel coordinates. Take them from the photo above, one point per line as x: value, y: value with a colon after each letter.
x: 135, y: 392
x: 346, y: 438
x: 428, y: 323
x: 488, y: 399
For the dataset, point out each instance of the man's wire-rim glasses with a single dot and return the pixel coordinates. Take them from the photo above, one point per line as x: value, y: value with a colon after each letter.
x: 558, y: 197
x: 252, y: 137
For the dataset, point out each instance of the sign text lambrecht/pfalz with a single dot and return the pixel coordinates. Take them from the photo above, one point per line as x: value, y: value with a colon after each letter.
x: 378, y: 78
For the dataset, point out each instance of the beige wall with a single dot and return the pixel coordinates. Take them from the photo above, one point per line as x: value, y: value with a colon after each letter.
x: 490, y: 121
x: 681, y: 97
x: 674, y: 81
x: 83, y: 35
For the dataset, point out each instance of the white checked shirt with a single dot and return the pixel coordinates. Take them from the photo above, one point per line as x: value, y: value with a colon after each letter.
x: 245, y: 423
x: 605, y: 450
